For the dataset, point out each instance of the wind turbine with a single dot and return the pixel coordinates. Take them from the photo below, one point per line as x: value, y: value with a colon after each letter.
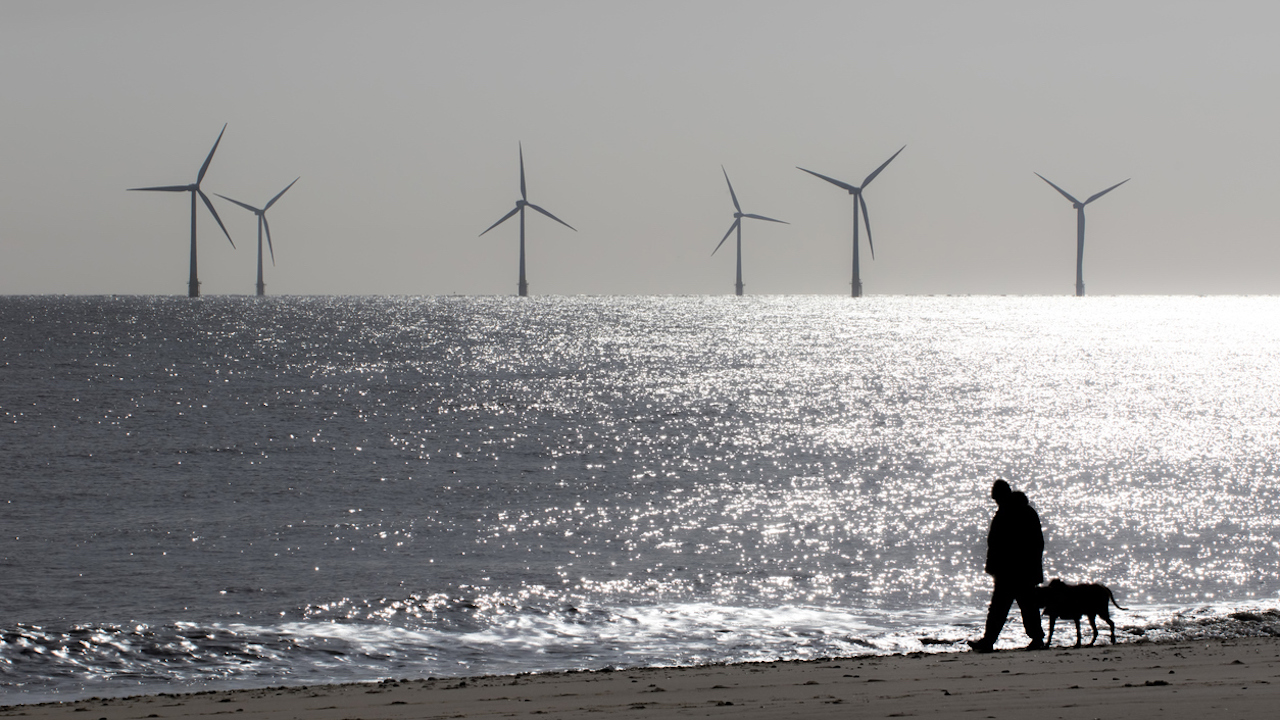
x: 1079, y: 206
x: 262, y: 222
x: 521, y: 204
x: 193, y: 283
x: 737, y: 225
x: 856, y: 192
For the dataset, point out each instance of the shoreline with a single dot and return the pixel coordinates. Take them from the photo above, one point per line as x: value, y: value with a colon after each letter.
x: 1177, y: 679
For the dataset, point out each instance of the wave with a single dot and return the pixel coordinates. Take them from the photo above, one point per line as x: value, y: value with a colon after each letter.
x: 40, y: 664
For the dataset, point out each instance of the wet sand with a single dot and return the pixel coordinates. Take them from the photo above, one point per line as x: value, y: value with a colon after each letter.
x: 1200, y: 679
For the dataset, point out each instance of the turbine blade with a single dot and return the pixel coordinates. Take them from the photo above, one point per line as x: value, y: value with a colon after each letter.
x: 761, y: 217
x: 523, y: 194
x: 205, y: 167
x: 165, y: 188
x: 277, y: 197
x: 833, y: 181
x: 1095, y: 196
x: 732, y: 227
x: 873, y: 175
x: 267, y: 226
x: 736, y: 206
x: 866, y: 220
x: 553, y: 217
x: 504, y: 219
x: 209, y: 205
x: 1065, y: 194
x: 246, y: 206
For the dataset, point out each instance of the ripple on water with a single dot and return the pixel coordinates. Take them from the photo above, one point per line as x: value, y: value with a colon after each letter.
x: 454, y: 479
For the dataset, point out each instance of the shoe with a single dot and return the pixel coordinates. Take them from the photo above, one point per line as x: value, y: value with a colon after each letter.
x: 981, y: 646
x: 1036, y: 644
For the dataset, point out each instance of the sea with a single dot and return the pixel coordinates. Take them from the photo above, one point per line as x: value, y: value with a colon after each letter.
x: 233, y: 492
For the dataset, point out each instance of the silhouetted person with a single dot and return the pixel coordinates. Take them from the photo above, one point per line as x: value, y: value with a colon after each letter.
x: 1015, y: 546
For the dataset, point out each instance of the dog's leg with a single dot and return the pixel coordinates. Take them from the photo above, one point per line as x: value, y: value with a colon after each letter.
x: 1093, y: 624
x: 1053, y: 620
x: 1106, y: 615
x: 1079, y: 637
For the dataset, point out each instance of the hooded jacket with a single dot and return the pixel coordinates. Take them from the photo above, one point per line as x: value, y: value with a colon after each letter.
x: 1015, y: 543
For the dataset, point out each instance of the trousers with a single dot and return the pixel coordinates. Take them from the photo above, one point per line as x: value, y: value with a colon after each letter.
x: 1002, y: 598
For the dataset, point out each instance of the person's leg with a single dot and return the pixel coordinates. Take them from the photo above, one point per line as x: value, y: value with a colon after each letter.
x: 1028, y: 598
x: 1001, y: 601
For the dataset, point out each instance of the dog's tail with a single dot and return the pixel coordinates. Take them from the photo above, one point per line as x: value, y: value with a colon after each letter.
x: 1113, y: 599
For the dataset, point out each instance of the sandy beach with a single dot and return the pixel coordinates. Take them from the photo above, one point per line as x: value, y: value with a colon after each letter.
x: 1195, y: 679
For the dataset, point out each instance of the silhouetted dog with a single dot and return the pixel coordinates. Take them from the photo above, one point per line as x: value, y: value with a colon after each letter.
x: 1061, y: 600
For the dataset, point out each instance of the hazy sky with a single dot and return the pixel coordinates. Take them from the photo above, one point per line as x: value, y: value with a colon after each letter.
x: 403, y: 121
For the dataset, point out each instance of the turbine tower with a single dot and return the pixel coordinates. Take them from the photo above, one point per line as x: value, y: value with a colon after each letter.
x: 262, y: 223
x: 521, y: 204
x: 193, y: 283
x: 737, y: 225
x: 856, y: 192
x: 1079, y: 206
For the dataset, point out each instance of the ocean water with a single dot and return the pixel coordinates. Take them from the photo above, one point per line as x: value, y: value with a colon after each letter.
x: 238, y: 492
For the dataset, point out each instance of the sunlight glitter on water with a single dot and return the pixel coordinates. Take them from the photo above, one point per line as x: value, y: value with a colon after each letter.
x: 473, y: 469
x: 884, y: 419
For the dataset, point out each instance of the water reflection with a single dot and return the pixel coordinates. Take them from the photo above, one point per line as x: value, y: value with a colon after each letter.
x: 375, y: 460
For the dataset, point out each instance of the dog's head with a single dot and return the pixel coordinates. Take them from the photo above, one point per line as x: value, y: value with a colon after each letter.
x: 1046, y: 594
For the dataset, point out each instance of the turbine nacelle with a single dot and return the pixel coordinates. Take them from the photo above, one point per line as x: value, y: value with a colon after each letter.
x: 1076, y: 203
